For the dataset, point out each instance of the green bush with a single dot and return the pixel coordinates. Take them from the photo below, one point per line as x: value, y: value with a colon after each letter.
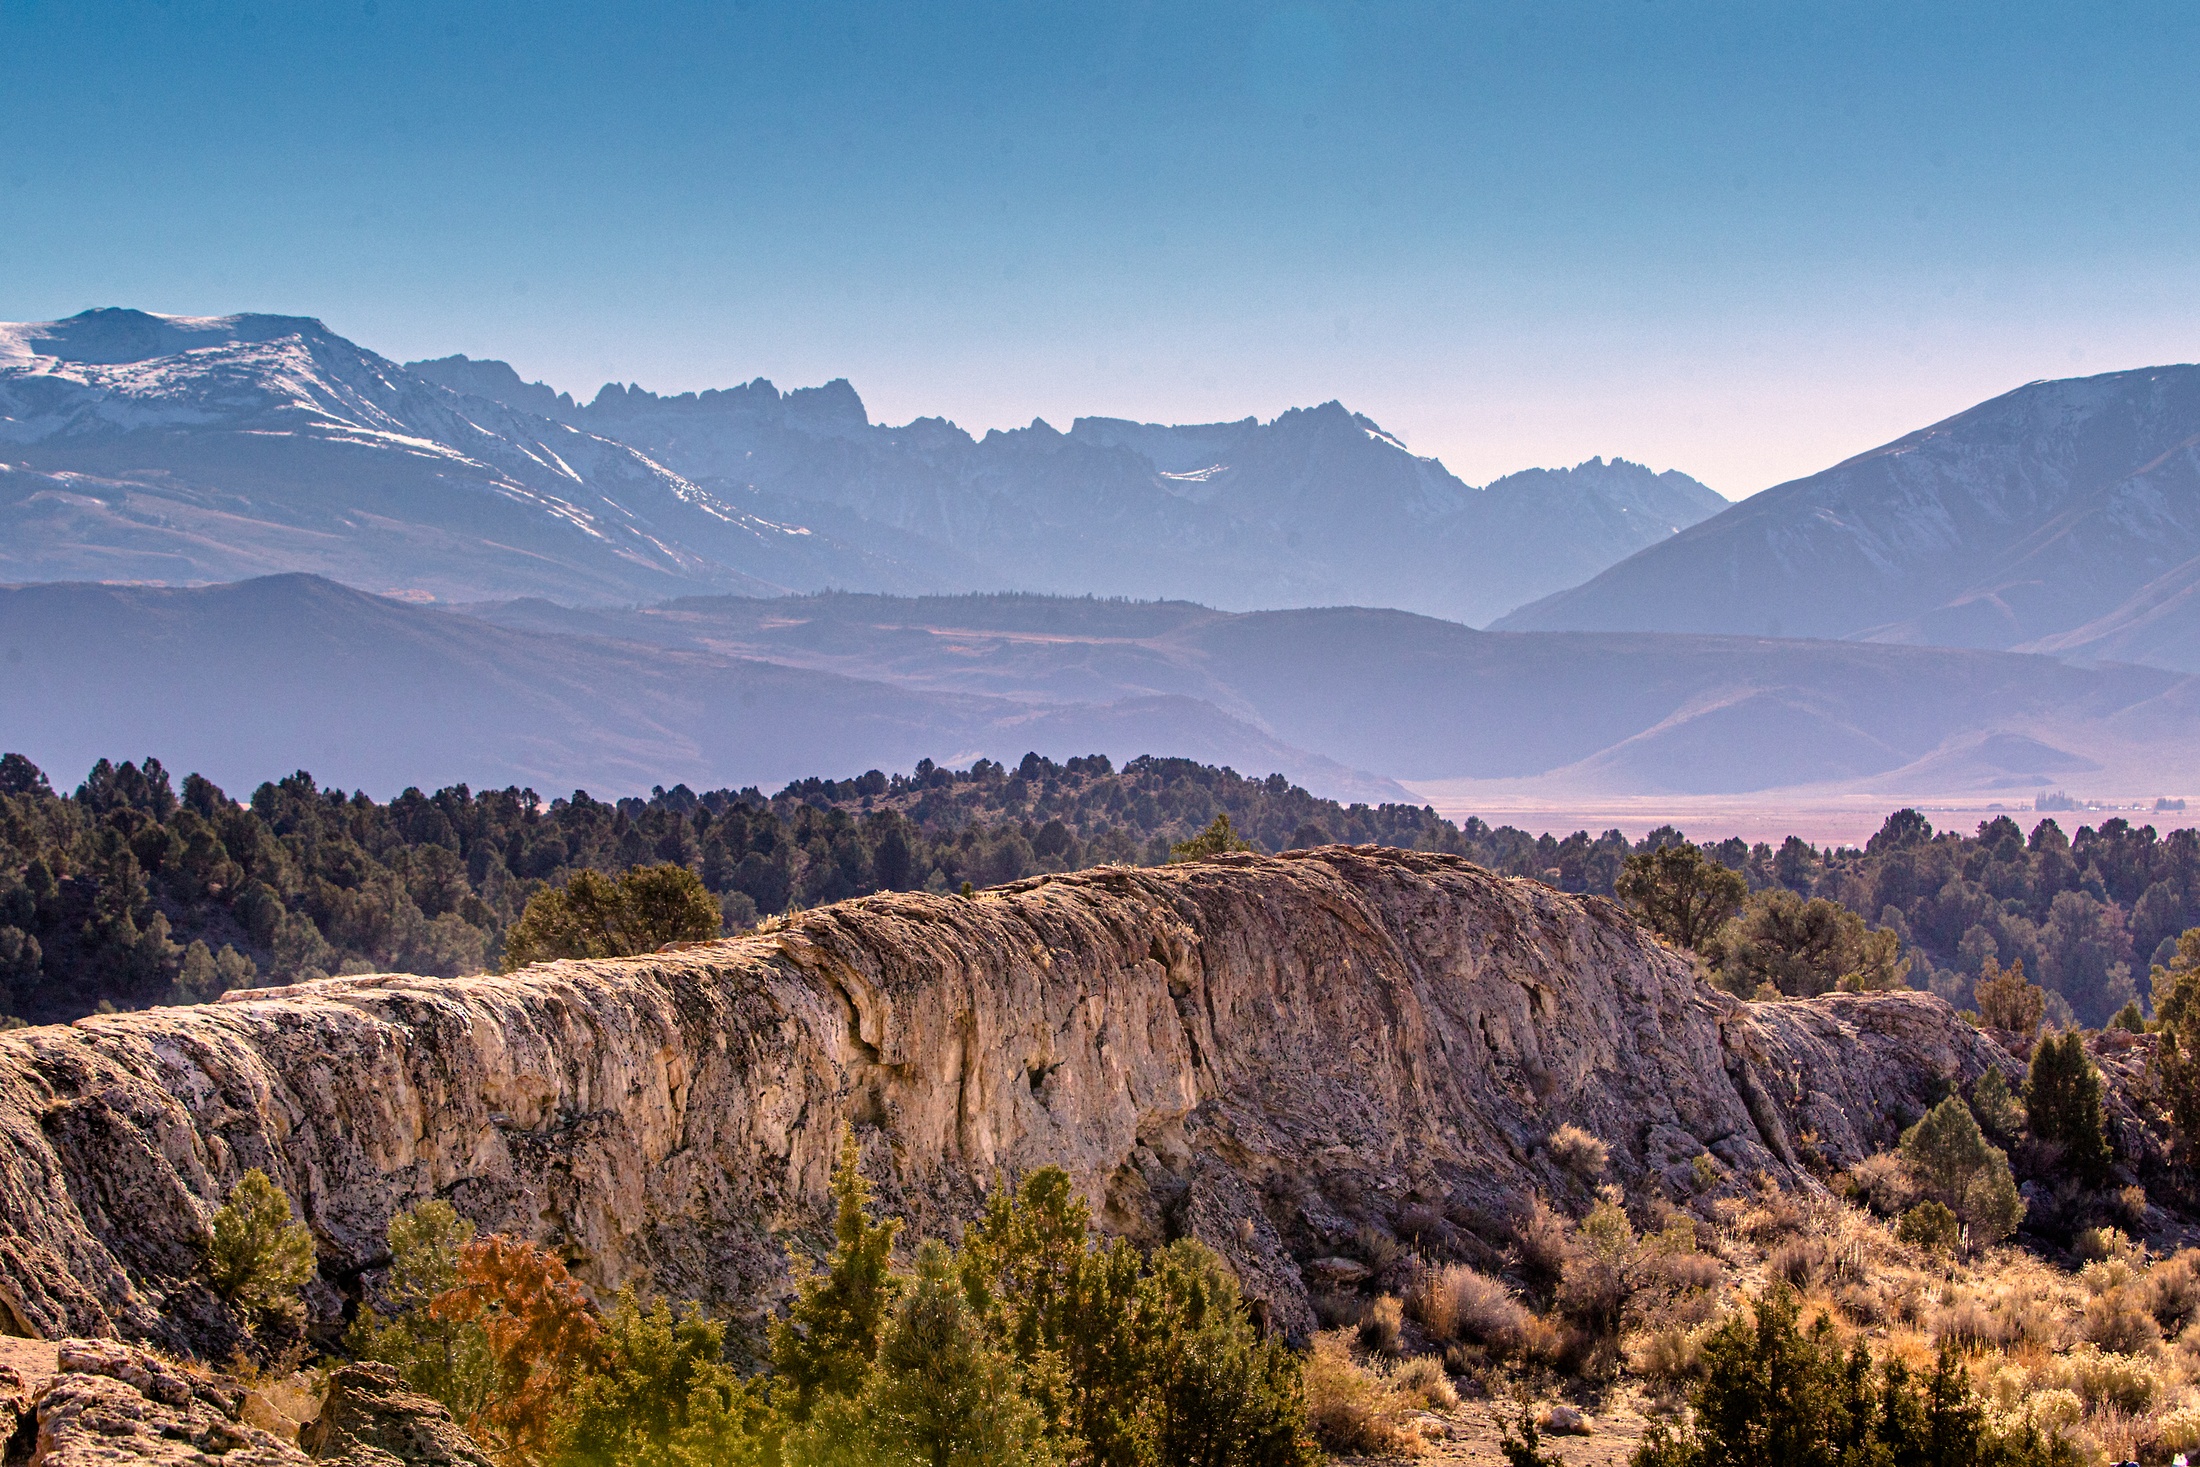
x: 597, y: 916
x: 1526, y: 1449
x: 1930, y: 1226
x: 260, y: 1258
x: 661, y: 1396
x: 1773, y: 1392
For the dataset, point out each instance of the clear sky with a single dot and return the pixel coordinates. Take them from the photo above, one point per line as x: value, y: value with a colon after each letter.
x: 1743, y: 239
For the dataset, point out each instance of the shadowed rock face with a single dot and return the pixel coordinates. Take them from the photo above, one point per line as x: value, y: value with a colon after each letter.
x: 1265, y: 1052
x: 370, y: 1420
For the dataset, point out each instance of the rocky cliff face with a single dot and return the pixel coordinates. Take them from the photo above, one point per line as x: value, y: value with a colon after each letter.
x: 1270, y: 1053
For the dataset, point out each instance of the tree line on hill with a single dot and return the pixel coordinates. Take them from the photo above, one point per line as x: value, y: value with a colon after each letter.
x: 130, y: 892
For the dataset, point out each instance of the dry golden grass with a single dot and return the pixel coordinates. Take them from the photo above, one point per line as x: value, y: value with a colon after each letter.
x: 1457, y: 1302
x: 2105, y: 1354
x: 1578, y: 1151
x: 1424, y: 1378
x: 1382, y: 1325
x: 1356, y: 1409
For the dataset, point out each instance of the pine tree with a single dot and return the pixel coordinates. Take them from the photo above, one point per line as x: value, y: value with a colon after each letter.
x: 662, y: 1397
x: 1992, y: 1205
x: 1996, y: 1106
x: 1959, y: 1170
x: 444, y: 1358
x: 597, y: 916
x: 2177, y: 1060
x: 260, y: 1258
x: 1221, y: 1396
x: 829, y: 1339
x: 1130, y: 1363
x: 941, y: 1393
x: 1680, y: 893
x: 2062, y: 1105
x: 1218, y: 839
x: 2006, y: 1001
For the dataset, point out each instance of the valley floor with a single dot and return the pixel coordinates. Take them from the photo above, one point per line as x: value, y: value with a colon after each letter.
x: 1822, y: 819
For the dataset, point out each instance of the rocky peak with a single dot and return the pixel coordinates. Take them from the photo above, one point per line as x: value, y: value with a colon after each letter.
x: 118, y: 336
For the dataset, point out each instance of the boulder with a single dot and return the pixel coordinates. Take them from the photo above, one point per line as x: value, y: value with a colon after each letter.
x: 1564, y: 1420
x: 371, y: 1420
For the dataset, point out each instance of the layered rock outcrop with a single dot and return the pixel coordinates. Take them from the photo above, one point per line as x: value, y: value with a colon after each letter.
x: 370, y: 1420
x: 1270, y: 1053
x: 101, y: 1402
x: 112, y: 1403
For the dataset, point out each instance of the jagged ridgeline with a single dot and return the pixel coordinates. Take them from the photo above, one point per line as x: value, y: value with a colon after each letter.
x: 130, y: 892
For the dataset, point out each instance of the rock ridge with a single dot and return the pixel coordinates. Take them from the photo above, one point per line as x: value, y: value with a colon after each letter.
x: 1273, y: 1054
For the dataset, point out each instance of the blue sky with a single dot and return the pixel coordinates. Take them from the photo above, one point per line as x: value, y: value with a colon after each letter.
x: 1743, y: 240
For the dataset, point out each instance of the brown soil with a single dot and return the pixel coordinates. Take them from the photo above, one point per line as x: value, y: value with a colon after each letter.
x: 1471, y: 1434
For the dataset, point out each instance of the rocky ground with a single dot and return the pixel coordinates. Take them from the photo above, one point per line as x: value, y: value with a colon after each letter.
x: 94, y: 1403
x: 1613, y: 1424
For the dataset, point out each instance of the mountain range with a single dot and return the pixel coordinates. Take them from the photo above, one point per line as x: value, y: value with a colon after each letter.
x: 186, y: 449
x: 241, y: 681
x: 1320, y: 506
x: 248, y: 680
x: 205, y: 449
x: 2062, y: 517
x: 1416, y: 699
x: 2004, y: 600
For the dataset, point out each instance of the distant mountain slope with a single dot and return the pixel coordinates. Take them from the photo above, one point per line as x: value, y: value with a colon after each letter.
x: 2016, y: 524
x: 295, y: 671
x: 1421, y: 700
x: 190, y: 449
x: 1320, y: 506
x: 2159, y: 625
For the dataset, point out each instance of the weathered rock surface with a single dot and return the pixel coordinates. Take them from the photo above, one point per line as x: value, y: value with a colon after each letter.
x: 15, y: 1402
x: 1270, y: 1053
x: 115, y: 1403
x: 371, y: 1420
x: 111, y: 1402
